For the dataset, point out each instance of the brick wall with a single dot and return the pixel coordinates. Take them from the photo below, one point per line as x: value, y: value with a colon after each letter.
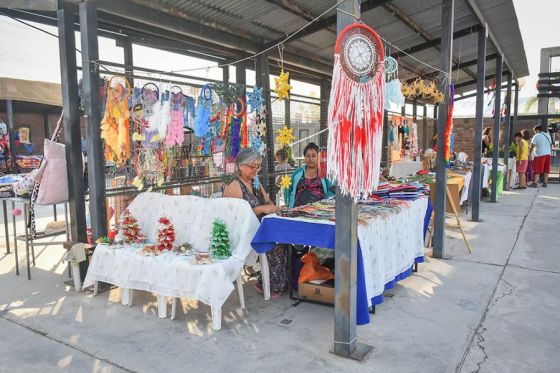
x: 35, y: 121
x: 464, y: 132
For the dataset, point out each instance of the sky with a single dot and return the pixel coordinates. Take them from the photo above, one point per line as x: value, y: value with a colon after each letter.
x: 27, y: 53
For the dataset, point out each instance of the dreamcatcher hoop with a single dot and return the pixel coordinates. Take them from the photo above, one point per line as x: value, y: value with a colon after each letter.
x: 391, y: 68
x: 355, y: 114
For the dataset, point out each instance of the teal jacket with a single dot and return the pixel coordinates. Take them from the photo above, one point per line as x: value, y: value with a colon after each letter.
x: 290, y: 193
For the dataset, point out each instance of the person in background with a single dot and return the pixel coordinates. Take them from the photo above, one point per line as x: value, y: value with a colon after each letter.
x: 522, y: 159
x: 307, y: 186
x: 282, y: 166
x: 486, y: 140
x: 542, y: 144
x: 527, y: 137
x: 247, y: 165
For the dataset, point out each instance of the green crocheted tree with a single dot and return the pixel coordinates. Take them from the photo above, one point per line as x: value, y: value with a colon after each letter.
x: 219, y: 242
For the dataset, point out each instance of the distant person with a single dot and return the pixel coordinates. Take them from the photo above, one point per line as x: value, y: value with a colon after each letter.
x: 542, y: 144
x: 530, y: 167
x: 522, y: 159
x: 282, y: 164
x: 486, y: 140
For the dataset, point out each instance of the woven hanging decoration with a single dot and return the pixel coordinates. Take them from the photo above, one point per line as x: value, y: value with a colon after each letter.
x: 355, y: 114
x: 115, y: 126
x: 282, y: 86
x: 255, y: 99
x: 391, y: 68
x: 285, y: 136
x: 449, y: 126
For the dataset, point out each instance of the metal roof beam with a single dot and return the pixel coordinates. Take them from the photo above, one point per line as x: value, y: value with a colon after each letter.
x: 326, y: 22
x: 480, y: 17
x: 410, y: 23
x: 487, y: 77
x: 456, y: 67
x: 435, y: 42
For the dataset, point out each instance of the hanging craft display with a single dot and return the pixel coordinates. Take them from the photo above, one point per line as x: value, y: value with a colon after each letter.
x: 228, y: 92
x: 241, y: 115
x: 115, y: 127
x: 258, y: 145
x: 285, y: 136
x: 391, y: 68
x: 393, y: 93
x: 24, y: 135
x: 424, y: 89
x: 165, y: 115
x: 176, y: 133
x: 282, y: 86
x: 355, y: 113
x: 203, y: 108
x: 255, y: 99
x: 449, y: 126
x: 219, y: 242
x: 285, y: 181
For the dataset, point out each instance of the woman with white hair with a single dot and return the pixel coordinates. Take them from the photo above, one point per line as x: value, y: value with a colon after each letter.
x: 245, y: 185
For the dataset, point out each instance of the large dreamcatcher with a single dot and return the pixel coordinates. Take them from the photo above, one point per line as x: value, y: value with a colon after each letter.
x: 115, y: 124
x: 355, y: 116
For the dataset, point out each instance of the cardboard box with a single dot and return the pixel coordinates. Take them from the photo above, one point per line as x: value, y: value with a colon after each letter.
x: 320, y: 293
x: 455, y: 195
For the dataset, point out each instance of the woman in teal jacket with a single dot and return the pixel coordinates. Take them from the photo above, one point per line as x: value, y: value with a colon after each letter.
x: 307, y: 186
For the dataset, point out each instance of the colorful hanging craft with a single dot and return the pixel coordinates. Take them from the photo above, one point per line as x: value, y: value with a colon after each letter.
x: 449, y: 126
x: 176, y: 134
x: 258, y: 145
x: 255, y: 99
x: 241, y: 115
x: 355, y: 114
x: 115, y: 125
x: 203, y: 108
x: 285, y: 181
x: 282, y: 86
x: 285, y: 136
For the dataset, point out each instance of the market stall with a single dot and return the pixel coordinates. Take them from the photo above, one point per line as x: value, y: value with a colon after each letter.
x: 390, y: 239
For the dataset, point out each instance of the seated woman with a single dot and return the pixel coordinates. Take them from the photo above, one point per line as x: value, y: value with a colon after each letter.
x: 247, y: 165
x: 307, y: 186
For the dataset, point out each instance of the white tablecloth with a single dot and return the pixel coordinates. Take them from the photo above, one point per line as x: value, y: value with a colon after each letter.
x: 511, y: 169
x: 404, y: 168
x: 466, y: 187
x: 173, y: 275
x: 390, y: 245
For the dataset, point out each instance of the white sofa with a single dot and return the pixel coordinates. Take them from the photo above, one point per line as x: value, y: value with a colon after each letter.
x: 176, y: 276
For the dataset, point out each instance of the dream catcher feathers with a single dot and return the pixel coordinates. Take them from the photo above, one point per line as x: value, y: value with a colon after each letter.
x: 355, y: 113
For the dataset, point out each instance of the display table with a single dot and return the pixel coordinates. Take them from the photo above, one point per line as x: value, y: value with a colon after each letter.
x: 400, y: 169
x: 388, y: 247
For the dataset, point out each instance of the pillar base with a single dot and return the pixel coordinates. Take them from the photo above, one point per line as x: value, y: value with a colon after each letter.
x: 359, y: 354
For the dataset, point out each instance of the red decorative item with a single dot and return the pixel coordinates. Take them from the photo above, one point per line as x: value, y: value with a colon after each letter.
x: 165, y: 235
x: 355, y: 117
x: 130, y: 229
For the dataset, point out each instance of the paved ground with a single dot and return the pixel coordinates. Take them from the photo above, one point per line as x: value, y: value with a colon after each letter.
x: 495, y: 310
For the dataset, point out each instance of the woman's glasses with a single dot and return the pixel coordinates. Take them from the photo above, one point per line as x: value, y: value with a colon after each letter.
x: 254, y: 166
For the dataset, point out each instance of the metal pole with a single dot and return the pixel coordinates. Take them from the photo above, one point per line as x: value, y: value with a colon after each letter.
x: 385, y: 143
x: 46, y: 125
x: 241, y: 77
x: 515, y: 102
x: 447, y: 12
x: 10, y: 113
x: 263, y: 80
x: 128, y: 61
x: 92, y: 105
x: 507, y: 132
x: 496, y: 137
x: 346, y: 246
x: 69, y: 79
x: 434, y: 128
x: 325, y: 91
x: 425, y: 126
x: 479, y: 123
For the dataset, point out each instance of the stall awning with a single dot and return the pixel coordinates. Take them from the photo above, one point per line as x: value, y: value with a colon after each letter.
x: 30, y: 91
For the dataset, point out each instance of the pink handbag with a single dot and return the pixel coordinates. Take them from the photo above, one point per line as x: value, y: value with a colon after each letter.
x: 52, y: 176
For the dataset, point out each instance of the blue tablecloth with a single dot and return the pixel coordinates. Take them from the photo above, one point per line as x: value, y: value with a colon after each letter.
x: 297, y: 232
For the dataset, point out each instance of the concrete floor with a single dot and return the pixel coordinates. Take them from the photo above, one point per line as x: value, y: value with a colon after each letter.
x: 495, y: 310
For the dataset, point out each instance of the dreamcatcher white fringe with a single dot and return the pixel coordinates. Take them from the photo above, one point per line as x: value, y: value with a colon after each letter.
x: 354, y: 144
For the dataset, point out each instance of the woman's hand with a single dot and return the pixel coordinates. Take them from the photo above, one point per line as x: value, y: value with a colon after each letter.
x: 269, y: 209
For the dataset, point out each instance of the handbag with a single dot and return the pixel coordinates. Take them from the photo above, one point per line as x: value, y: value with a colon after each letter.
x: 52, y: 176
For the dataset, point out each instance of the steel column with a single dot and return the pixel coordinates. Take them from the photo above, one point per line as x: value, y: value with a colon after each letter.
x: 128, y: 60
x: 10, y: 114
x: 263, y: 81
x: 425, y: 126
x: 479, y: 123
x: 92, y: 107
x: 515, y: 102
x: 346, y: 245
x: 325, y: 92
x: 72, y: 138
x: 241, y: 78
x: 496, y: 134
x: 46, y: 125
x: 385, y: 141
x: 447, y: 13
x: 434, y: 128
x: 507, y: 132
